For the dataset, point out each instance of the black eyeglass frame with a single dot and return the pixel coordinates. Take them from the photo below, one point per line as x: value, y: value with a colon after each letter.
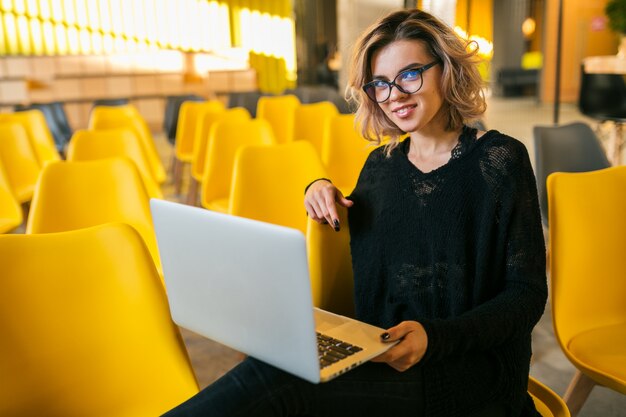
x: 392, y: 84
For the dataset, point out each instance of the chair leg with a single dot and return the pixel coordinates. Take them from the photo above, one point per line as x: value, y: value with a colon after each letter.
x: 577, y: 392
x: 179, y: 167
x: 192, y: 192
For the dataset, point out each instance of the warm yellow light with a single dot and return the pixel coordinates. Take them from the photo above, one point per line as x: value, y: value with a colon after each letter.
x: 108, y: 45
x: 485, y: 48
x: 150, y: 21
x: 69, y: 13
x: 49, y: 44
x: 105, y: 16
x: 127, y: 18
x: 139, y: 22
x: 81, y: 14
x: 119, y: 44
x: 19, y: 8
x: 3, y: 46
x: 44, y: 9
x: 84, y: 38
x: 73, y: 42
x: 23, y: 35
x: 93, y: 15
x: 117, y: 23
x: 57, y: 10
x: 96, y: 43
x: 32, y: 8
x: 6, y: 5
x: 36, y: 37
x: 11, y: 40
x: 528, y: 27
x: 61, y: 39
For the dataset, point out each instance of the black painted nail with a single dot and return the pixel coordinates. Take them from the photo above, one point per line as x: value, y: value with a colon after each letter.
x: 385, y: 336
x: 336, y: 223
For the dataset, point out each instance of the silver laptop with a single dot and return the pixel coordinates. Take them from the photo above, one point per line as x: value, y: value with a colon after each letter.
x: 245, y: 284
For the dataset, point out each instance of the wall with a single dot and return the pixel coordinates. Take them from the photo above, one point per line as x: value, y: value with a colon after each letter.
x: 146, y: 79
x: 581, y: 39
x: 353, y: 17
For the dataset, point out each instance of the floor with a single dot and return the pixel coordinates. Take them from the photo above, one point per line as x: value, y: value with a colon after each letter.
x: 515, y: 117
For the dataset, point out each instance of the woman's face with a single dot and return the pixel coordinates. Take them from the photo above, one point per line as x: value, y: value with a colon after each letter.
x: 410, y: 112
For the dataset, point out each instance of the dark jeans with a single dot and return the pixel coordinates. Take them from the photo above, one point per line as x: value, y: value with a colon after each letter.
x: 254, y: 388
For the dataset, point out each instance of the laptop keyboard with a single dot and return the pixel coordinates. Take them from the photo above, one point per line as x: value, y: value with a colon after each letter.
x: 332, y: 350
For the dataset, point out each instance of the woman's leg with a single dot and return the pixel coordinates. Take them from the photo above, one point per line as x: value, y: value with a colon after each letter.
x: 254, y: 388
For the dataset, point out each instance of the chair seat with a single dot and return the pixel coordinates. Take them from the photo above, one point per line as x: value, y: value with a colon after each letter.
x: 221, y: 205
x: 603, y: 351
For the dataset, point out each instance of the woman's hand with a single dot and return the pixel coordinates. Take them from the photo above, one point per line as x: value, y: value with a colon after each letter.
x: 320, y: 201
x: 411, y: 348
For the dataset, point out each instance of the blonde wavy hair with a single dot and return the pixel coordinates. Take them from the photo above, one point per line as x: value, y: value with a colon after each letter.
x: 461, y: 83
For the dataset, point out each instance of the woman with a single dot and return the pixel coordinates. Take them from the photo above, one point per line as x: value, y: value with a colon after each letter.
x: 447, y: 247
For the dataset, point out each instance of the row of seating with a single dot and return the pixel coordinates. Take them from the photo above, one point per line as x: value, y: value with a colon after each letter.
x: 328, y: 251
x: 208, y: 142
x: 582, y: 202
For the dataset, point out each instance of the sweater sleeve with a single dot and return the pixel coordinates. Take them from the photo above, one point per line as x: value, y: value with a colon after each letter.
x: 513, y: 312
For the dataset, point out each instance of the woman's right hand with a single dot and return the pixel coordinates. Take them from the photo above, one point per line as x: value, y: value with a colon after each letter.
x: 320, y: 201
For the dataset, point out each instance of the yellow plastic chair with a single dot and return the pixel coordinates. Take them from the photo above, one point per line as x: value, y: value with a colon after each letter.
x: 330, y: 265
x: 127, y: 116
x: 547, y: 402
x: 86, y: 328
x: 312, y: 122
x: 268, y: 182
x: 226, y: 138
x: 198, y: 162
x: 75, y: 195
x: 87, y: 145
x: 10, y: 209
x: 587, y: 272
x: 344, y: 152
x: 189, y: 129
x: 279, y: 111
x: 38, y: 133
x: 19, y: 160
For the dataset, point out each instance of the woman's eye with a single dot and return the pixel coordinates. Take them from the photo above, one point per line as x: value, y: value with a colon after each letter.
x: 380, y: 84
x: 410, y: 75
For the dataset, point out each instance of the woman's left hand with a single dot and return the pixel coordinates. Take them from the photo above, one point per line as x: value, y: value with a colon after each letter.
x: 411, y: 348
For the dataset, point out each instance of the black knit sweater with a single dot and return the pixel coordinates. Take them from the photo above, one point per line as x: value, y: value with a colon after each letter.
x: 459, y: 249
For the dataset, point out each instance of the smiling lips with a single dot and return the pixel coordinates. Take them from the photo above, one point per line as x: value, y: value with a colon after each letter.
x: 404, y: 111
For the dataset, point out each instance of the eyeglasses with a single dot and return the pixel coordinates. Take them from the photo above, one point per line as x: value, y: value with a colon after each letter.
x: 408, y: 81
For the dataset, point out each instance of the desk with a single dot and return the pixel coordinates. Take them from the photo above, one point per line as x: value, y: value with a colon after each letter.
x: 603, y: 97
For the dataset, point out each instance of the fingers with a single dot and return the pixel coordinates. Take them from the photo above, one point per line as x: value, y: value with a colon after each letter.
x: 411, y: 348
x: 321, y: 201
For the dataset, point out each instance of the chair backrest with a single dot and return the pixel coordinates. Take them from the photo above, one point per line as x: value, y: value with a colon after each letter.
x: 88, y: 315
x: 547, y: 402
x: 225, y: 139
x: 602, y: 96
x: 172, y: 110
x: 268, y: 182
x: 198, y: 163
x: 38, y: 133
x: 111, y: 102
x: 344, y: 152
x: 19, y: 160
x: 51, y: 114
x: 568, y: 148
x: 127, y: 116
x: 10, y: 210
x: 587, y: 223
x: 75, y: 195
x: 190, y: 122
x: 87, y: 145
x: 312, y: 122
x: 279, y: 111
x: 330, y: 265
